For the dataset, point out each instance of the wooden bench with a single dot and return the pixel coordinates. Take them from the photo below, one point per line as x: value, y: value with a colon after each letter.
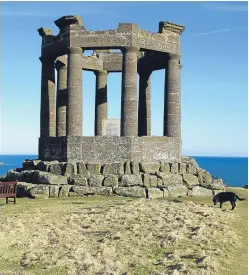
x: 8, y: 190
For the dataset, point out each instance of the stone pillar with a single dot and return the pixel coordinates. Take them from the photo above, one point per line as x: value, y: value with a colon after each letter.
x: 172, y: 98
x: 100, y: 101
x: 144, y: 107
x: 61, y: 99
x: 74, y: 87
x: 47, y: 113
x: 129, y: 125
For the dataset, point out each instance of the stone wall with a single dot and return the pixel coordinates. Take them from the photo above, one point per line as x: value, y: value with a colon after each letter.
x: 110, y: 149
x: 131, y: 178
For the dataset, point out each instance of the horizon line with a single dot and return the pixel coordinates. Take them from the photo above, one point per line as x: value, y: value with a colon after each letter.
x: 188, y: 155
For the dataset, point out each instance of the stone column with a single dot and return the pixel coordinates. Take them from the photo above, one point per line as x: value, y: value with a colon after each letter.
x: 47, y: 113
x: 144, y: 107
x: 100, y: 101
x: 74, y: 87
x: 129, y: 125
x: 61, y: 99
x: 172, y: 98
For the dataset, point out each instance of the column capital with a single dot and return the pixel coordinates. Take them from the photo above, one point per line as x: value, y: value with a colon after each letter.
x: 74, y: 50
x: 103, y: 72
x: 47, y: 58
x: 131, y: 49
x: 174, y: 56
x: 59, y: 65
x: 144, y: 72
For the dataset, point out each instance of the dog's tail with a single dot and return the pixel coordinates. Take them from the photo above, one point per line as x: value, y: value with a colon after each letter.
x: 240, y: 199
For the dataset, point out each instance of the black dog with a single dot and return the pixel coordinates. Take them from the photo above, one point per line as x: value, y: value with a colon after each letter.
x: 226, y: 196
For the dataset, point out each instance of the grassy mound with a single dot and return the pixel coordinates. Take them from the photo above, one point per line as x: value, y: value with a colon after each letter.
x: 96, y: 235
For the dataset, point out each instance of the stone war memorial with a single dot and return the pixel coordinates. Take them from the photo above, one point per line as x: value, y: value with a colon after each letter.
x: 130, y: 163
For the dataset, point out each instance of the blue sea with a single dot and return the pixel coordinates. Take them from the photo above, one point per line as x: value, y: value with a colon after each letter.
x: 234, y: 170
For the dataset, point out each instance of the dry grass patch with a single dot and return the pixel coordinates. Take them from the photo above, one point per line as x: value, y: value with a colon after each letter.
x: 116, y: 236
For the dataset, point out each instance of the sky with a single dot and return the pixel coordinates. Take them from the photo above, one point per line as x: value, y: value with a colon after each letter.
x: 214, y: 48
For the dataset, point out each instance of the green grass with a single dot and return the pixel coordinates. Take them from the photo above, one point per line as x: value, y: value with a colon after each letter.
x: 235, y: 263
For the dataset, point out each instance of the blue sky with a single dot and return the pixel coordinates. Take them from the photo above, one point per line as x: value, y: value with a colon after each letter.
x: 214, y: 74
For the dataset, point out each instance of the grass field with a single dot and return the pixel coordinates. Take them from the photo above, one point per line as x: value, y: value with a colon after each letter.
x: 115, y: 235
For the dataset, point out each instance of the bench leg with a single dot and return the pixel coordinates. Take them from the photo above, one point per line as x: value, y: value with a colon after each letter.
x: 7, y: 200
x: 14, y: 200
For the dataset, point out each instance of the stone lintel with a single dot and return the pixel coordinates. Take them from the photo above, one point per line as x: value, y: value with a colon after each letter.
x: 172, y: 27
x: 44, y: 32
x: 153, y: 61
x: 55, y: 48
x: 92, y: 63
x: 68, y: 20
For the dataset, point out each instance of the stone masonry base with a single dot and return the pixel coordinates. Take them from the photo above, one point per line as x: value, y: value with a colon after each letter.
x: 50, y: 179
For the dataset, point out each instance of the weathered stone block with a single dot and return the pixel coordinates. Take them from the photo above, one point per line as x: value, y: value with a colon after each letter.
x: 70, y: 168
x: 78, y: 180
x: 216, y: 184
x: 190, y: 180
x: 135, y: 168
x: 164, y: 167
x: 153, y: 181
x: 64, y: 190
x: 146, y: 180
x: 40, y: 177
x: 40, y: 191
x: 81, y: 169
x: 177, y: 190
x: 149, y: 167
x: 174, y: 168
x: 96, y: 180
x: 28, y: 165
x: 191, y: 165
x: 190, y: 161
x: 23, y: 189
x: 111, y: 180
x: 157, y: 193
x: 204, y: 176
x: 159, y: 182
x: 168, y: 179
x: 182, y: 168
x: 200, y: 191
x: 114, y: 168
x: 127, y: 168
x: 134, y: 191
x: 42, y: 165
x: 130, y: 180
x: 149, y: 180
x: 12, y: 175
x: 94, y: 169
x: 36, y: 162
x: 57, y: 168
x: 54, y: 191
x: 28, y: 176
x: 92, y: 190
x: 190, y: 169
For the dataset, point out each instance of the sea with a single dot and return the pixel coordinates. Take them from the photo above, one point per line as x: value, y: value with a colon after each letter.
x: 234, y: 170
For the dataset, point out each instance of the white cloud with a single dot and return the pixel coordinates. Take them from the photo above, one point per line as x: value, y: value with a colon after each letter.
x: 218, y: 31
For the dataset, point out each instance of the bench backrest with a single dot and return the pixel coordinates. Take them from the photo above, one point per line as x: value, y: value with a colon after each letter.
x: 8, y: 189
